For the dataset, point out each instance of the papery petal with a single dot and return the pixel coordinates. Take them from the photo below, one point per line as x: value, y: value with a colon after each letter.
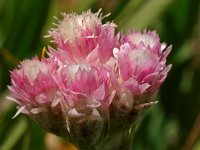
x: 99, y: 93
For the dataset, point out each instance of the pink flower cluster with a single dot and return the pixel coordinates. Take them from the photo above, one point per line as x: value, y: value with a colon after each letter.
x: 92, y: 69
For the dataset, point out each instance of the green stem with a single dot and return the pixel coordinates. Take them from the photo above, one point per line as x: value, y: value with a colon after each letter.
x: 121, y: 141
x: 125, y: 141
x: 85, y: 147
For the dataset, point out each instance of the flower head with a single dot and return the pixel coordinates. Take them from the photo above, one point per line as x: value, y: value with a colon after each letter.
x: 33, y: 84
x: 36, y: 92
x: 92, y: 84
x: 83, y: 38
x: 86, y: 101
x: 138, y: 72
x: 87, y: 84
x: 142, y: 67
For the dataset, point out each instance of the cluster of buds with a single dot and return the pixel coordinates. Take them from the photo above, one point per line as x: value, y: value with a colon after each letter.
x: 94, y: 82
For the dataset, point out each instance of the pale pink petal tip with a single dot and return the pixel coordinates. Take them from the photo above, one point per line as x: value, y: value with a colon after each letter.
x: 144, y: 105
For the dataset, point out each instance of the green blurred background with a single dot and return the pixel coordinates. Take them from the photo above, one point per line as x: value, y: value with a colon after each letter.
x: 173, y: 124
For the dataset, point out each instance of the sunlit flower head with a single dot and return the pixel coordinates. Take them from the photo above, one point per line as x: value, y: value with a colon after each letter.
x: 83, y: 38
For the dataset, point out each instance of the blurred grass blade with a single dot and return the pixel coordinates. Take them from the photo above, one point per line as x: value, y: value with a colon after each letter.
x: 14, y: 135
x: 130, y: 7
x: 22, y: 38
x: 183, y: 54
x: 8, y: 57
x: 146, y: 14
x: 85, y: 4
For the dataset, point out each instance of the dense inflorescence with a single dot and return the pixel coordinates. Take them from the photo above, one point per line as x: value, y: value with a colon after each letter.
x: 92, y: 81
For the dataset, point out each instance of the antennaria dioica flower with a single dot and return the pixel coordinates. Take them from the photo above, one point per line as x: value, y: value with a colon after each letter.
x: 94, y: 83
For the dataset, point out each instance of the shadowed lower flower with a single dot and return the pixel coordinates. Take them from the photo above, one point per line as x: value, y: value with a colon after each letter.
x: 94, y: 84
x: 86, y: 101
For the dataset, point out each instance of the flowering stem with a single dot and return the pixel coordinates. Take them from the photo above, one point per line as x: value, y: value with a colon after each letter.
x: 118, y: 141
x: 125, y: 141
x: 87, y: 147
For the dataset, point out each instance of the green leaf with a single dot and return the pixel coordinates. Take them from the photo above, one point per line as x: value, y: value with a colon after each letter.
x: 14, y: 134
x: 37, y: 136
x: 146, y: 14
x: 130, y: 8
x: 85, y: 4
